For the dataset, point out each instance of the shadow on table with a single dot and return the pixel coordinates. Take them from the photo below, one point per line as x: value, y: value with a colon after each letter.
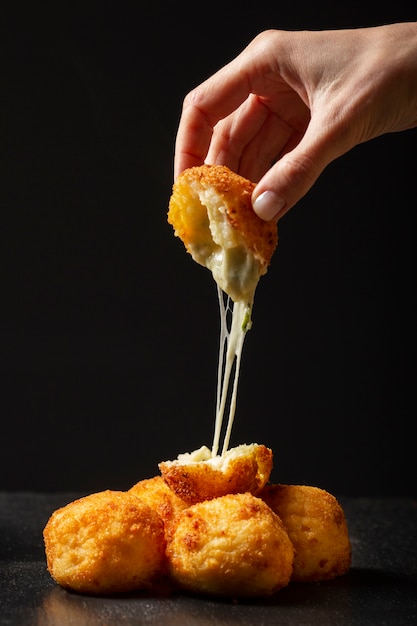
x: 362, y: 596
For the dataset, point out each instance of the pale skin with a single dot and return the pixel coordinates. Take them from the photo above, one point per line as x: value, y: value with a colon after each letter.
x: 292, y: 102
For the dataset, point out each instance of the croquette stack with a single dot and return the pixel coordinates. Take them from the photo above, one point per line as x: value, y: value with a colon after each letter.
x: 238, y: 545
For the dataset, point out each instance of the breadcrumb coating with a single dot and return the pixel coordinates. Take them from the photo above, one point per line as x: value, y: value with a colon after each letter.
x: 232, y: 546
x: 317, y: 527
x: 245, y: 468
x: 106, y: 542
x: 156, y: 493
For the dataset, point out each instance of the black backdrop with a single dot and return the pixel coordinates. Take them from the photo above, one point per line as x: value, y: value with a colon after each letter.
x: 109, y: 330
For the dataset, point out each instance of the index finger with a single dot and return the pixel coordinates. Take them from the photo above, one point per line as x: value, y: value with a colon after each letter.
x: 203, y: 107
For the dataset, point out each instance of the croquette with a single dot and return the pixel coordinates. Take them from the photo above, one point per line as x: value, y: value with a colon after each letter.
x: 105, y: 542
x: 156, y: 493
x: 232, y: 546
x: 199, y: 476
x: 211, y: 211
x: 317, y: 527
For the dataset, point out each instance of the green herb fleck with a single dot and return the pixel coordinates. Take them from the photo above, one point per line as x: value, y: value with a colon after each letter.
x: 247, y: 320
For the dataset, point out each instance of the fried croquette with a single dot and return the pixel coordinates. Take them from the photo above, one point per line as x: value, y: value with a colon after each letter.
x: 232, y: 546
x: 106, y: 542
x: 211, y: 211
x: 199, y: 476
x: 156, y: 493
x: 317, y: 527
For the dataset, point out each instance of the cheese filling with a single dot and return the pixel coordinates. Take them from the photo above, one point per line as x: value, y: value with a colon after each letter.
x: 204, y: 455
x: 222, y: 249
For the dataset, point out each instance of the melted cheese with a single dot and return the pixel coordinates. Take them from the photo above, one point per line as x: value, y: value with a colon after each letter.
x: 237, y: 274
x: 222, y: 249
x: 230, y: 354
x: 204, y: 455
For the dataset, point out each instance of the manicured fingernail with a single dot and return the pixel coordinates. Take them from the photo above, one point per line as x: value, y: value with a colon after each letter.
x: 268, y: 205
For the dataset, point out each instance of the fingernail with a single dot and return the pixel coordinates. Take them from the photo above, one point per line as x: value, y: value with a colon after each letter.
x: 268, y: 205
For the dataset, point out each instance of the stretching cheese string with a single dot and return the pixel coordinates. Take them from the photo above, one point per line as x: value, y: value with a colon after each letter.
x: 230, y: 353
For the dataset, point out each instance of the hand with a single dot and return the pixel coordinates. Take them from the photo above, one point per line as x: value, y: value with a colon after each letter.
x: 292, y: 102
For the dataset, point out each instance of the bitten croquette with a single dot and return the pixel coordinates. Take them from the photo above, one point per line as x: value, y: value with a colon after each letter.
x: 198, y: 476
x: 211, y: 211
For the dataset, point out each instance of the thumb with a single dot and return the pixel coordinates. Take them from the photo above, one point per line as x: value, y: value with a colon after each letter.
x: 289, y: 179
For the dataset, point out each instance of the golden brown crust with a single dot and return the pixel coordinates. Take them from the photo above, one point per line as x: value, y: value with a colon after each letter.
x: 156, y: 494
x: 106, y: 542
x: 232, y: 546
x: 317, y: 527
x: 261, y: 237
x: 194, y: 482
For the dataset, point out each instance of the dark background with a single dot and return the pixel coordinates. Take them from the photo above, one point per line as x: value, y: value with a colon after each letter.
x: 109, y: 330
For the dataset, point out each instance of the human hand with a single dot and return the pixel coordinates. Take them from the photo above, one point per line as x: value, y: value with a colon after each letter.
x: 292, y: 102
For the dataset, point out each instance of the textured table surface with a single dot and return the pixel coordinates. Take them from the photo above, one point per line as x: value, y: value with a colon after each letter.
x: 380, y: 589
